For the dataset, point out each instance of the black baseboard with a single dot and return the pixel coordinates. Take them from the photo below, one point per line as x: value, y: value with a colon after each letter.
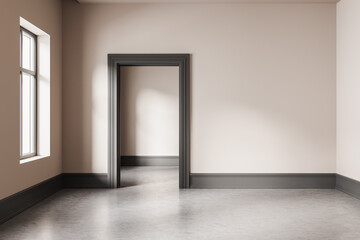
x: 348, y: 185
x: 85, y: 180
x: 262, y: 181
x: 149, y: 161
x: 15, y: 204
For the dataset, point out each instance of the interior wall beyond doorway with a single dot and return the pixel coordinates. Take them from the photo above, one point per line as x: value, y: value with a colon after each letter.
x: 149, y: 99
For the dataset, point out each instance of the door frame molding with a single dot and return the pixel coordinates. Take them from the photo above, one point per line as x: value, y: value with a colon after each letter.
x: 115, y: 61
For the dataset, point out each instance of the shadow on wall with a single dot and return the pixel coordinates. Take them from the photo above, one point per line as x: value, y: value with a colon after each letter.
x: 85, y: 114
x: 78, y: 113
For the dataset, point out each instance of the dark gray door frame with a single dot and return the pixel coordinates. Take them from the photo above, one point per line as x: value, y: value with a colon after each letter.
x: 115, y: 61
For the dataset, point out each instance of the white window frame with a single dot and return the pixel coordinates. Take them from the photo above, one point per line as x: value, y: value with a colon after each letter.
x: 32, y: 73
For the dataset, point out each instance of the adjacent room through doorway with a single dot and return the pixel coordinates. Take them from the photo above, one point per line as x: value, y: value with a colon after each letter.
x: 149, y: 125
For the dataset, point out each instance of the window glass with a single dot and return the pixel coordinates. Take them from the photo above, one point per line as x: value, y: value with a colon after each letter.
x: 28, y: 51
x: 28, y: 94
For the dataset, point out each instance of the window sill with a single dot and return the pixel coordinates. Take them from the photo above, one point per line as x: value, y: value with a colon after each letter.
x: 31, y: 159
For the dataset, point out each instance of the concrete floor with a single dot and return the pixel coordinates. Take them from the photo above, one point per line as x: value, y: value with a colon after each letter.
x: 152, y: 207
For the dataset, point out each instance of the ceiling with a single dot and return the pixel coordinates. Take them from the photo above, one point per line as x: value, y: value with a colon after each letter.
x: 208, y: 1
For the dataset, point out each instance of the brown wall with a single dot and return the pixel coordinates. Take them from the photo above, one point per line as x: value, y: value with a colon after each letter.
x: 47, y: 15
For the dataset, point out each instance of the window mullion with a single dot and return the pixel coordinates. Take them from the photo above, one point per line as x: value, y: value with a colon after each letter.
x: 33, y: 73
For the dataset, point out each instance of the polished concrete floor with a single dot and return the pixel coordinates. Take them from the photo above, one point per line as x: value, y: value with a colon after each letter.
x: 150, y: 206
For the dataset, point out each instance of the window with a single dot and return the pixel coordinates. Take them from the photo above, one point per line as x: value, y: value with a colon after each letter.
x: 35, y: 99
x: 28, y: 94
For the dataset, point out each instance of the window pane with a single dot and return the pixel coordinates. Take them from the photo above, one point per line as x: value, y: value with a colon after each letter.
x: 28, y: 51
x: 28, y: 113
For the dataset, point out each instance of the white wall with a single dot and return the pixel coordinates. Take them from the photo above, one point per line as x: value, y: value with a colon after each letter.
x: 262, y: 81
x: 348, y: 88
x: 149, y: 98
x: 46, y: 15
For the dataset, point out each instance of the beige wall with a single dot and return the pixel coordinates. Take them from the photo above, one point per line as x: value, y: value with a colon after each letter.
x: 149, y: 98
x: 348, y: 88
x: 45, y: 14
x: 262, y: 81
x: 208, y: 1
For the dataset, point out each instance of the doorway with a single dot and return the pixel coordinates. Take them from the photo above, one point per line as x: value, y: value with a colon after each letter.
x: 149, y: 125
x: 115, y: 62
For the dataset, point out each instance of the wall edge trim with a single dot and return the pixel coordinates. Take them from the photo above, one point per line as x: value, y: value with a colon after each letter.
x: 85, y: 180
x: 263, y: 180
x: 20, y: 201
x: 348, y: 185
x: 149, y: 160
